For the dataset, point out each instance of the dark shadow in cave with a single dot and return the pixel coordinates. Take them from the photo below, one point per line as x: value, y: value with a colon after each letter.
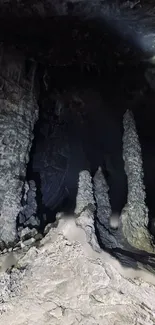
x: 128, y: 256
x: 91, y: 127
x: 56, y: 158
x: 98, y: 142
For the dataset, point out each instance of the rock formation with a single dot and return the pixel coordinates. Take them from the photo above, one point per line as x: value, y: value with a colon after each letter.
x: 32, y: 56
x: 76, y: 143
x: 18, y: 113
x: 65, y: 282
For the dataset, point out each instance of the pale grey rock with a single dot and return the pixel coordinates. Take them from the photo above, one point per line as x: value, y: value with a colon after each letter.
x: 4, y: 251
x: 102, y: 196
x: 33, y: 221
x: 16, y: 248
x: 135, y: 215
x: 114, y: 221
x: 18, y: 113
x: 130, y: 241
x: 47, y: 228
x: 9, y: 286
x: 28, y: 233
x: 86, y: 222
x: 38, y: 237
x: 9, y: 261
x: 85, y: 198
x: 103, y: 214
x: 65, y: 282
x: 85, y: 208
x: 53, y: 224
x: 29, y: 242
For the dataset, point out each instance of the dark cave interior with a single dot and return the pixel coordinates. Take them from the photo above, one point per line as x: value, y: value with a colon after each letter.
x: 87, y: 77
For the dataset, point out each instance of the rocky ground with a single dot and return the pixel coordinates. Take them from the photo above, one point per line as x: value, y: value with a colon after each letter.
x: 63, y: 281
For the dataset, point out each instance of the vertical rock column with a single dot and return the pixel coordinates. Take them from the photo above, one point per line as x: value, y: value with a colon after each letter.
x: 135, y: 215
x: 85, y: 208
x: 130, y: 241
x: 18, y: 114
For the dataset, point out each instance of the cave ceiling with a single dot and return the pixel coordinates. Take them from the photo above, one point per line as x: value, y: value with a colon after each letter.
x: 65, y: 33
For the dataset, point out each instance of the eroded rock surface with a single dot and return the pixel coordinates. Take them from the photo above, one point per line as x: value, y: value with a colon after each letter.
x: 65, y: 282
x: 131, y: 241
x: 18, y: 113
x: 135, y: 218
x: 85, y: 208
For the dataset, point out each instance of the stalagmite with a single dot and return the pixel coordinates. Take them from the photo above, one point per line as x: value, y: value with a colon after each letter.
x: 85, y: 208
x: 135, y: 214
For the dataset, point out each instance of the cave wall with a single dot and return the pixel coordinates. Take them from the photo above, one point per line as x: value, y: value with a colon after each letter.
x: 18, y: 113
x: 71, y: 44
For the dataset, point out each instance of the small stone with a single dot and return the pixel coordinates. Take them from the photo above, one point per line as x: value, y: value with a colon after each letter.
x: 49, y: 226
x: 4, y: 251
x: 33, y: 221
x: 22, y: 245
x: 29, y: 242
x: 28, y: 233
x: 19, y: 231
x: 9, y: 261
x: 16, y: 248
x: 38, y: 236
x: 18, y: 245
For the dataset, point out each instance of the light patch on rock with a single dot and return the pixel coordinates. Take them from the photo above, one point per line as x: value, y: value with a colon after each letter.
x: 66, y: 282
x: 8, y: 262
x: 72, y: 232
x: 114, y: 221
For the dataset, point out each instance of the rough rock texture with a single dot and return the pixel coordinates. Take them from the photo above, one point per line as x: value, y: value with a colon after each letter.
x: 85, y: 208
x: 56, y: 178
x: 85, y: 198
x: 65, y: 282
x: 18, y: 113
x: 130, y: 241
x: 107, y: 236
x: 27, y: 215
x: 135, y: 215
